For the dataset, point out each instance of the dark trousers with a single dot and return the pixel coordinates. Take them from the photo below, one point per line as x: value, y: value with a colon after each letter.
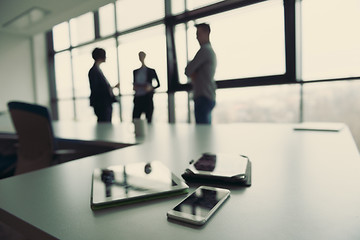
x: 103, y: 112
x: 144, y: 104
x: 203, y: 107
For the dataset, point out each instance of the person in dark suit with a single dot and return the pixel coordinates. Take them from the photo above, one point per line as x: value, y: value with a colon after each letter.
x: 144, y: 89
x: 101, y: 97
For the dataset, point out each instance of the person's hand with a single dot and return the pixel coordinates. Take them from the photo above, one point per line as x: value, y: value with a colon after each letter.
x: 149, y: 88
x: 116, y: 86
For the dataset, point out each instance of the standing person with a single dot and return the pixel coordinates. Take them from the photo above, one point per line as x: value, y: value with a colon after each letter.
x: 144, y: 89
x: 102, y: 96
x: 201, y: 70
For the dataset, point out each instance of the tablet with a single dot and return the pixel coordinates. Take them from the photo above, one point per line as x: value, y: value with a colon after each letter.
x: 134, y: 182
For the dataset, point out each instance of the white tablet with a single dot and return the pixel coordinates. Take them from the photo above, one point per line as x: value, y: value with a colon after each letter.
x: 122, y: 184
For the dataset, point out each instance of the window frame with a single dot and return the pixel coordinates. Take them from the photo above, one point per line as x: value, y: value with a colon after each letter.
x: 288, y: 77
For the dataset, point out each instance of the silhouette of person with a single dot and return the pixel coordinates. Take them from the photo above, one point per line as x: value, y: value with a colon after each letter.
x: 201, y: 70
x: 144, y: 89
x: 101, y: 97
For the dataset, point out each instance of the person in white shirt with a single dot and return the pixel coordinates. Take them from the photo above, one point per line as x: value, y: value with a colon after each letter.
x: 201, y: 70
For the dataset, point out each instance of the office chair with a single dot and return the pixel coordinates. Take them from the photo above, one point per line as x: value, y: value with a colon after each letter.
x: 37, y: 146
x: 8, y: 143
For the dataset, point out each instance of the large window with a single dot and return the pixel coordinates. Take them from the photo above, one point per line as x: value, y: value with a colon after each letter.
x: 255, y: 42
x: 75, y: 40
x: 248, y: 42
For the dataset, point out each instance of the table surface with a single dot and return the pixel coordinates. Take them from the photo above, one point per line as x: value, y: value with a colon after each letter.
x: 305, y: 185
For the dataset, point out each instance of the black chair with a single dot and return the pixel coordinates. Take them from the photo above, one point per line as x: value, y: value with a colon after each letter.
x: 37, y: 146
x: 8, y: 147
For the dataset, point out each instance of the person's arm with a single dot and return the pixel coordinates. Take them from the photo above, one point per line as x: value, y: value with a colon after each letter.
x: 151, y: 75
x: 194, y: 65
x: 155, y: 76
x: 135, y: 86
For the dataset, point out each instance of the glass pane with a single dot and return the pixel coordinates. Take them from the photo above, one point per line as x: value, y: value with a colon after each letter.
x: 82, y: 29
x: 278, y: 103
x: 66, y: 110
x: 116, y: 113
x: 330, y: 39
x: 107, y: 20
x: 177, y: 6
x: 61, y: 36
x: 252, y: 48
x: 152, y: 41
x: 63, y: 75
x: 132, y: 13
x: 181, y: 107
x: 84, y: 112
x: 194, y: 4
x: 82, y: 62
x: 160, y: 108
x: 333, y: 102
x: 127, y: 105
x: 181, y: 54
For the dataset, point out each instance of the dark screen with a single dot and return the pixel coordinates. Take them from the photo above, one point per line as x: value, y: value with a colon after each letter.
x: 200, y: 202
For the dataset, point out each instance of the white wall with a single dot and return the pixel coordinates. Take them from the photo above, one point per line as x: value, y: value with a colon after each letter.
x: 41, y: 82
x: 23, y: 70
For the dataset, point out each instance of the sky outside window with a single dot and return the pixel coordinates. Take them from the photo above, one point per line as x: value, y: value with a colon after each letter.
x: 133, y: 13
x: 330, y: 39
x: 152, y: 41
x: 61, y: 36
x: 82, y: 29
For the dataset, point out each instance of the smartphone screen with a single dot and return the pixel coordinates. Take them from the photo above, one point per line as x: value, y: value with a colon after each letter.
x: 198, y: 207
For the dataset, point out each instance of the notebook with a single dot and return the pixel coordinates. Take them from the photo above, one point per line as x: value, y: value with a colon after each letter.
x: 134, y: 182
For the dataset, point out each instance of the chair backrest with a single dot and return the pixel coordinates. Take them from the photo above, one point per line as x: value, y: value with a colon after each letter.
x: 36, y: 139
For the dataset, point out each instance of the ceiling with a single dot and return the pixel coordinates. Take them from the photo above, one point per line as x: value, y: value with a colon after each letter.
x: 56, y: 11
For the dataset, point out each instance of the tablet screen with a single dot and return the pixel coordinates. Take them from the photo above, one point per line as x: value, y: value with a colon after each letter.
x: 124, y: 183
x: 201, y: 201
